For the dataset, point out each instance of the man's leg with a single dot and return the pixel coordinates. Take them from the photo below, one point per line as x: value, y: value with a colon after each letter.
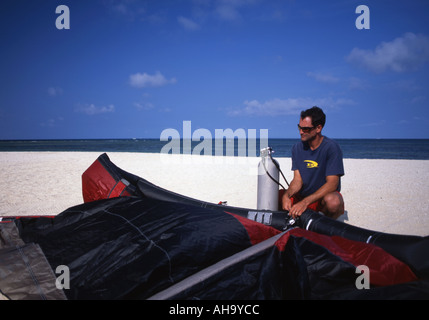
x: 332, y: 205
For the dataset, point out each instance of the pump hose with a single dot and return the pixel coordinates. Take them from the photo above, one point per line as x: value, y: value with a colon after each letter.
x: 278, y: 167
x: 280, y: 170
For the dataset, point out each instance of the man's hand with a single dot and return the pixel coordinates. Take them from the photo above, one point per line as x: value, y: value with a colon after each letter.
x: 286, y: 202
x: 297, y: 209
x: 294, y: 187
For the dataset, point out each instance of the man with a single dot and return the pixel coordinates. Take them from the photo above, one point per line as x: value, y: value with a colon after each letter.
x: 317, y: 163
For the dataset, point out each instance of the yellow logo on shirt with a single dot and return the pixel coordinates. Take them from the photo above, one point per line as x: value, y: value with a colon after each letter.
x: 311, y: 164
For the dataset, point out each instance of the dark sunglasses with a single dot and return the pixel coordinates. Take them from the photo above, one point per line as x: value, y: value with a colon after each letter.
x: 305, y: 129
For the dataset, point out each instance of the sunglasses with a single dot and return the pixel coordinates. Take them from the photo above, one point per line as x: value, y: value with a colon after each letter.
x: 305, y: 129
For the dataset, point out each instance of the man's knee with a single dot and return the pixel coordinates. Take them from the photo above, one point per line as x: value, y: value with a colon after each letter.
x: 333, y: 205
x: 333, y: 200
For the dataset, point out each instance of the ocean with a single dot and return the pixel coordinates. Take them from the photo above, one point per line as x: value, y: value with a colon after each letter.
x: 412, y: 149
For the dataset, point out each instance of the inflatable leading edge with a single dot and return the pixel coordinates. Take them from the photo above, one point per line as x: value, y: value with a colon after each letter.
x: 103, y: 179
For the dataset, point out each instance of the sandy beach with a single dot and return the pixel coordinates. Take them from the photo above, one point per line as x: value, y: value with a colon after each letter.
x: 384, y: 195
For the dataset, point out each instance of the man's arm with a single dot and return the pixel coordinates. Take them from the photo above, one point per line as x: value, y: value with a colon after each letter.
x: 330, y: 185
x: 294, y: 186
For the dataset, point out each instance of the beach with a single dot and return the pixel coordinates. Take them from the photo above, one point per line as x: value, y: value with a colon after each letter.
x: 383, y: 195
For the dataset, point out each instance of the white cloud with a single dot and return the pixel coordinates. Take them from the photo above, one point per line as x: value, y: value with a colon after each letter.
x: 143, y: 105
x: 120, y: 8
x: 271, y: 107
x: 324, y: 78
x: 52, y: 122
x: 128, y: 8
x: 418, y: 99
x: 378, y: 123
x: 188, y: 24
x: 279, y: 107
x: 141, y: 80
x: 406, y: 53
x: 229, y: 10
x: 356, y: 83
x: 55, y: 91
x: 224, y: 10
x: 92, y: 109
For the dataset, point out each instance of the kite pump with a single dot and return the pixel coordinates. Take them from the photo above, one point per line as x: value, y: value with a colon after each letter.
x: 268, y: 181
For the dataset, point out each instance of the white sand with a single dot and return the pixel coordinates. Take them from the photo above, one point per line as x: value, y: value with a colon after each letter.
x: 383, y: 195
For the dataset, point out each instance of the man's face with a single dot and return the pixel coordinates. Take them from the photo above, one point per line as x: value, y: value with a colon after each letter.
x: 306, y: 129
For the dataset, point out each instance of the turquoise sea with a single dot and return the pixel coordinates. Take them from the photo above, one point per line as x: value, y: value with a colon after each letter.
x: 352, y: 148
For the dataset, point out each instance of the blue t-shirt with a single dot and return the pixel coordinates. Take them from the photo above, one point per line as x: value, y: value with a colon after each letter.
x: 315, y: 165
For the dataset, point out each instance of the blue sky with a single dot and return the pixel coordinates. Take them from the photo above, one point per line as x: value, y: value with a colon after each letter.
x: 131, y: 69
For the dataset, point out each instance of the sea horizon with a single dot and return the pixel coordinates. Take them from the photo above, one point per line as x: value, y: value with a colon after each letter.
x: 355, y: 148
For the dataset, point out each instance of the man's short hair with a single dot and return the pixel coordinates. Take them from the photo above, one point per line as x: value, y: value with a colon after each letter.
x: 316, y: 114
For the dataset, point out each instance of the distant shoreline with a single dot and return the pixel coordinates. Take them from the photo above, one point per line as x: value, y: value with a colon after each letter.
x: 408, y: 149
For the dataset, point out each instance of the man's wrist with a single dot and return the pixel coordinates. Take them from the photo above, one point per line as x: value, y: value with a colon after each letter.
x: 306, y: 201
